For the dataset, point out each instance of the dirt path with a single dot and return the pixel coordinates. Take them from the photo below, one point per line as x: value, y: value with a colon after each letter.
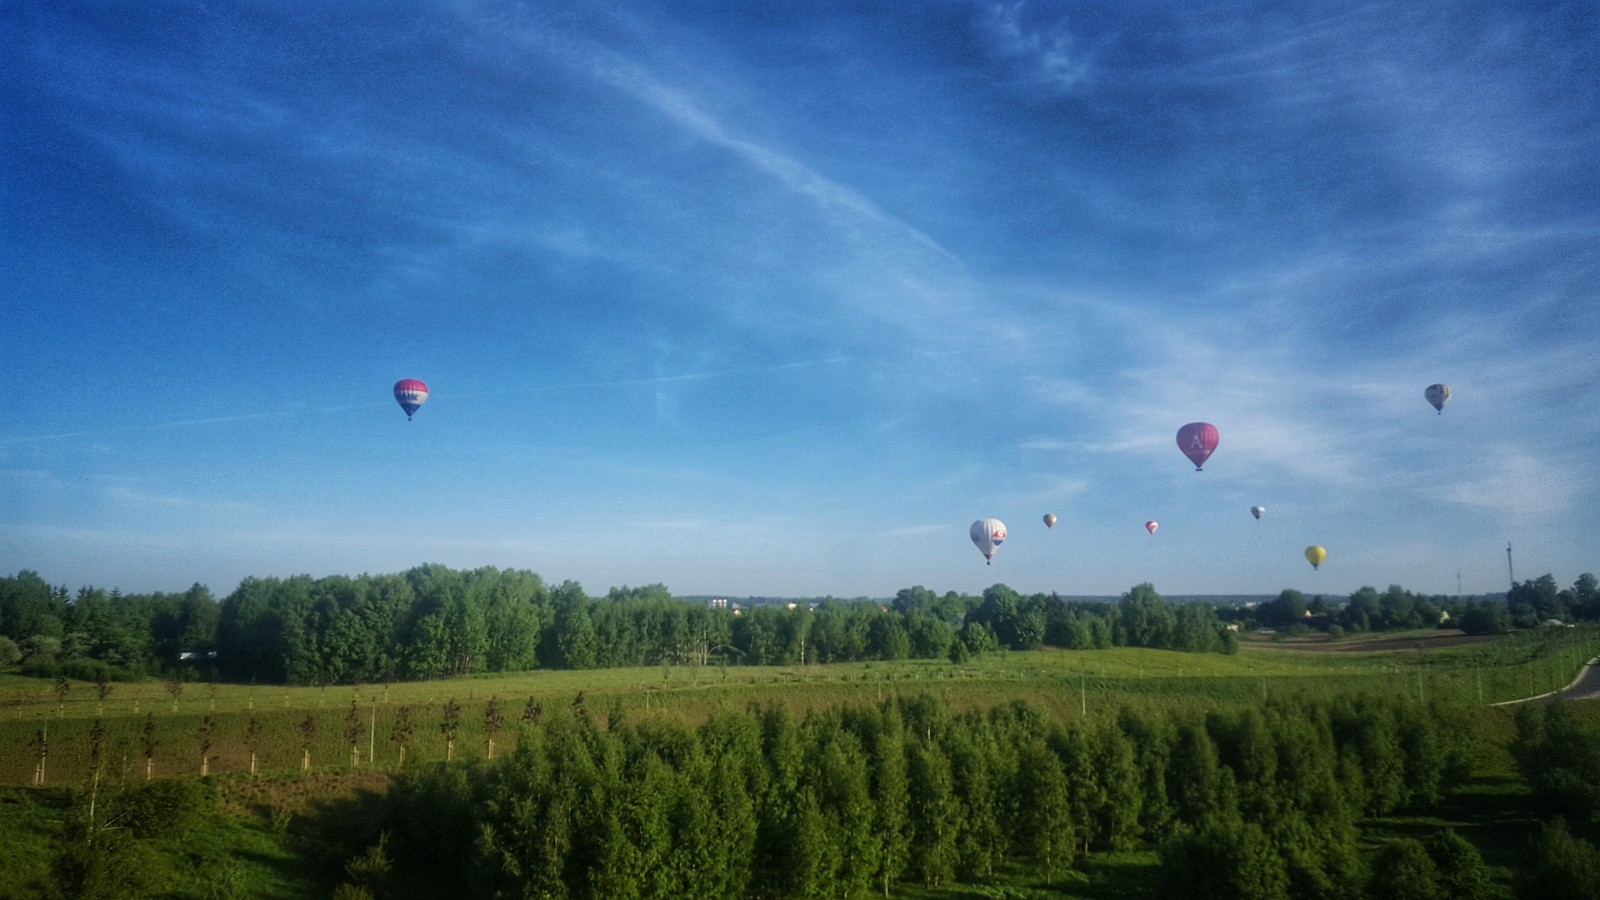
x: 1584, y: 687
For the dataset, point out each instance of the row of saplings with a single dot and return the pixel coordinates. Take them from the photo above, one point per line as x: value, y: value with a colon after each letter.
x: 851, y: 802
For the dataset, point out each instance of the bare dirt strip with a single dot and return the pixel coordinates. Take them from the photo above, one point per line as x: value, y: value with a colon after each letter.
x: 1433, y: 640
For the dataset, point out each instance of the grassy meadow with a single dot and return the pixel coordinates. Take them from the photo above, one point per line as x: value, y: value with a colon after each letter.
x: 1070, y: 685
x: 291, y: 833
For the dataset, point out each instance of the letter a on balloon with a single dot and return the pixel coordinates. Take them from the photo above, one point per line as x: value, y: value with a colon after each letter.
x: 1197, y: 440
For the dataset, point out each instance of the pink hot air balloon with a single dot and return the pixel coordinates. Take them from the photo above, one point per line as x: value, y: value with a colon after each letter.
x: 1197, y: 440
x: 1151, y: 526
x: 410, y: 394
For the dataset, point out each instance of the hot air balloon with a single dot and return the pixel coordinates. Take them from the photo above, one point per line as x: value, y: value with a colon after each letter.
x: 1050, y: 520
x: 988, y: 535
x: 1197, y: 440
x: 1315, y: 555
x: 1257, y: 511
x: 1151, y: 526
x: 410, y: 394
x: 1438, y: 395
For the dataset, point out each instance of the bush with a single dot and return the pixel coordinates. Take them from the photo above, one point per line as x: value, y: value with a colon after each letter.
x: 1558, y: 756
x: 165, y: 804
x: 1564, y: 867
x: 1462, y: 874
x: 1225, y: 858
x: 10, y: 653
x: 1405, y: 871
x: 40, y: 667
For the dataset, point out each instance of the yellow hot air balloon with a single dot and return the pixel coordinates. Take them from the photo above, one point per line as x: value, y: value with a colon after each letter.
x: 1315, y: 555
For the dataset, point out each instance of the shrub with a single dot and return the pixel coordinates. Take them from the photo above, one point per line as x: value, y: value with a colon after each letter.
x: 10, y: 653
x: 1564, y: 867
x: 165, y: 804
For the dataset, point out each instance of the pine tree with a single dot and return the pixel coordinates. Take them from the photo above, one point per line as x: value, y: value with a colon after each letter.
x: 308, y: 739
x: 252, y: 741
x: 933, y: 814
x: 449, y: 724
x: 1404, y: 871
x: 1044, y: 828
x: 400, y: 734
x: 1116, y: 820
x: 493, y: 721
x: 839, y: 779
x: 890, y: 789
x: 148, y: 743
x: 354, y: 727
x: 207, y: 727
x: 1225, y: 857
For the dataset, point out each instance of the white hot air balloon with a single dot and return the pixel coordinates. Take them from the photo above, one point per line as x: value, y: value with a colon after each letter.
x: 988, y: 535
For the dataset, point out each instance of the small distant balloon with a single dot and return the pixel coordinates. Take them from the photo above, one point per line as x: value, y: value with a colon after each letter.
x: 1151, y: 526
x: 1050, y: 520
x: 988, y: 535
x: 1438, y: 395
x: 1257, y: 511
x: 1197, y: 440
x: 1315, y: 555
x: 410, y: 394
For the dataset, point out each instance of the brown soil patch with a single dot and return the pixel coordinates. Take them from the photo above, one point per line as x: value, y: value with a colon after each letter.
x: 1435, y: 640
x: 297, y: 793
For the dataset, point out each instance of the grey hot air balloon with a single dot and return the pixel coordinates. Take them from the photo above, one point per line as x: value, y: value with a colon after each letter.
x: 1438, y: 395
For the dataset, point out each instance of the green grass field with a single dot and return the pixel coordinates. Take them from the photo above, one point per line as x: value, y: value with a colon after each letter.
x: 1068, y: 684
x: 281, y: 833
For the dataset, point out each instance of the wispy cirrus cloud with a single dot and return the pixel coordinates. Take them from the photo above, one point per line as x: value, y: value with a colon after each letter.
x: 1043, y: 51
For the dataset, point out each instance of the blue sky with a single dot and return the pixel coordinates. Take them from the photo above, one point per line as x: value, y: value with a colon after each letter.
x: 778, y: 298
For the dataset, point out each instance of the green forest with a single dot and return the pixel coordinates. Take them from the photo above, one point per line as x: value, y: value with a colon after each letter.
x: 477, y: 733
x: 436, y: 622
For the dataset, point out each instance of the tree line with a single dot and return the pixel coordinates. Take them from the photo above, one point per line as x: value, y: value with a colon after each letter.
x: 433, y: 621
x: 1264, y: 802
x: 1525, y: 605
x: 1557, y: 754
x: 1252, y: 803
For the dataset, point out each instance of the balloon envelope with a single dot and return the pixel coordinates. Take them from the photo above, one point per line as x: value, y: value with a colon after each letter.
x: 1315, y: 555
x: 987, y: 535
x: 1197, y: 440
x: 410, y: 394
x: 1151, y: 526
x: 1438, y: 395
x: 1050, y: 520
x: 1257, y: 511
